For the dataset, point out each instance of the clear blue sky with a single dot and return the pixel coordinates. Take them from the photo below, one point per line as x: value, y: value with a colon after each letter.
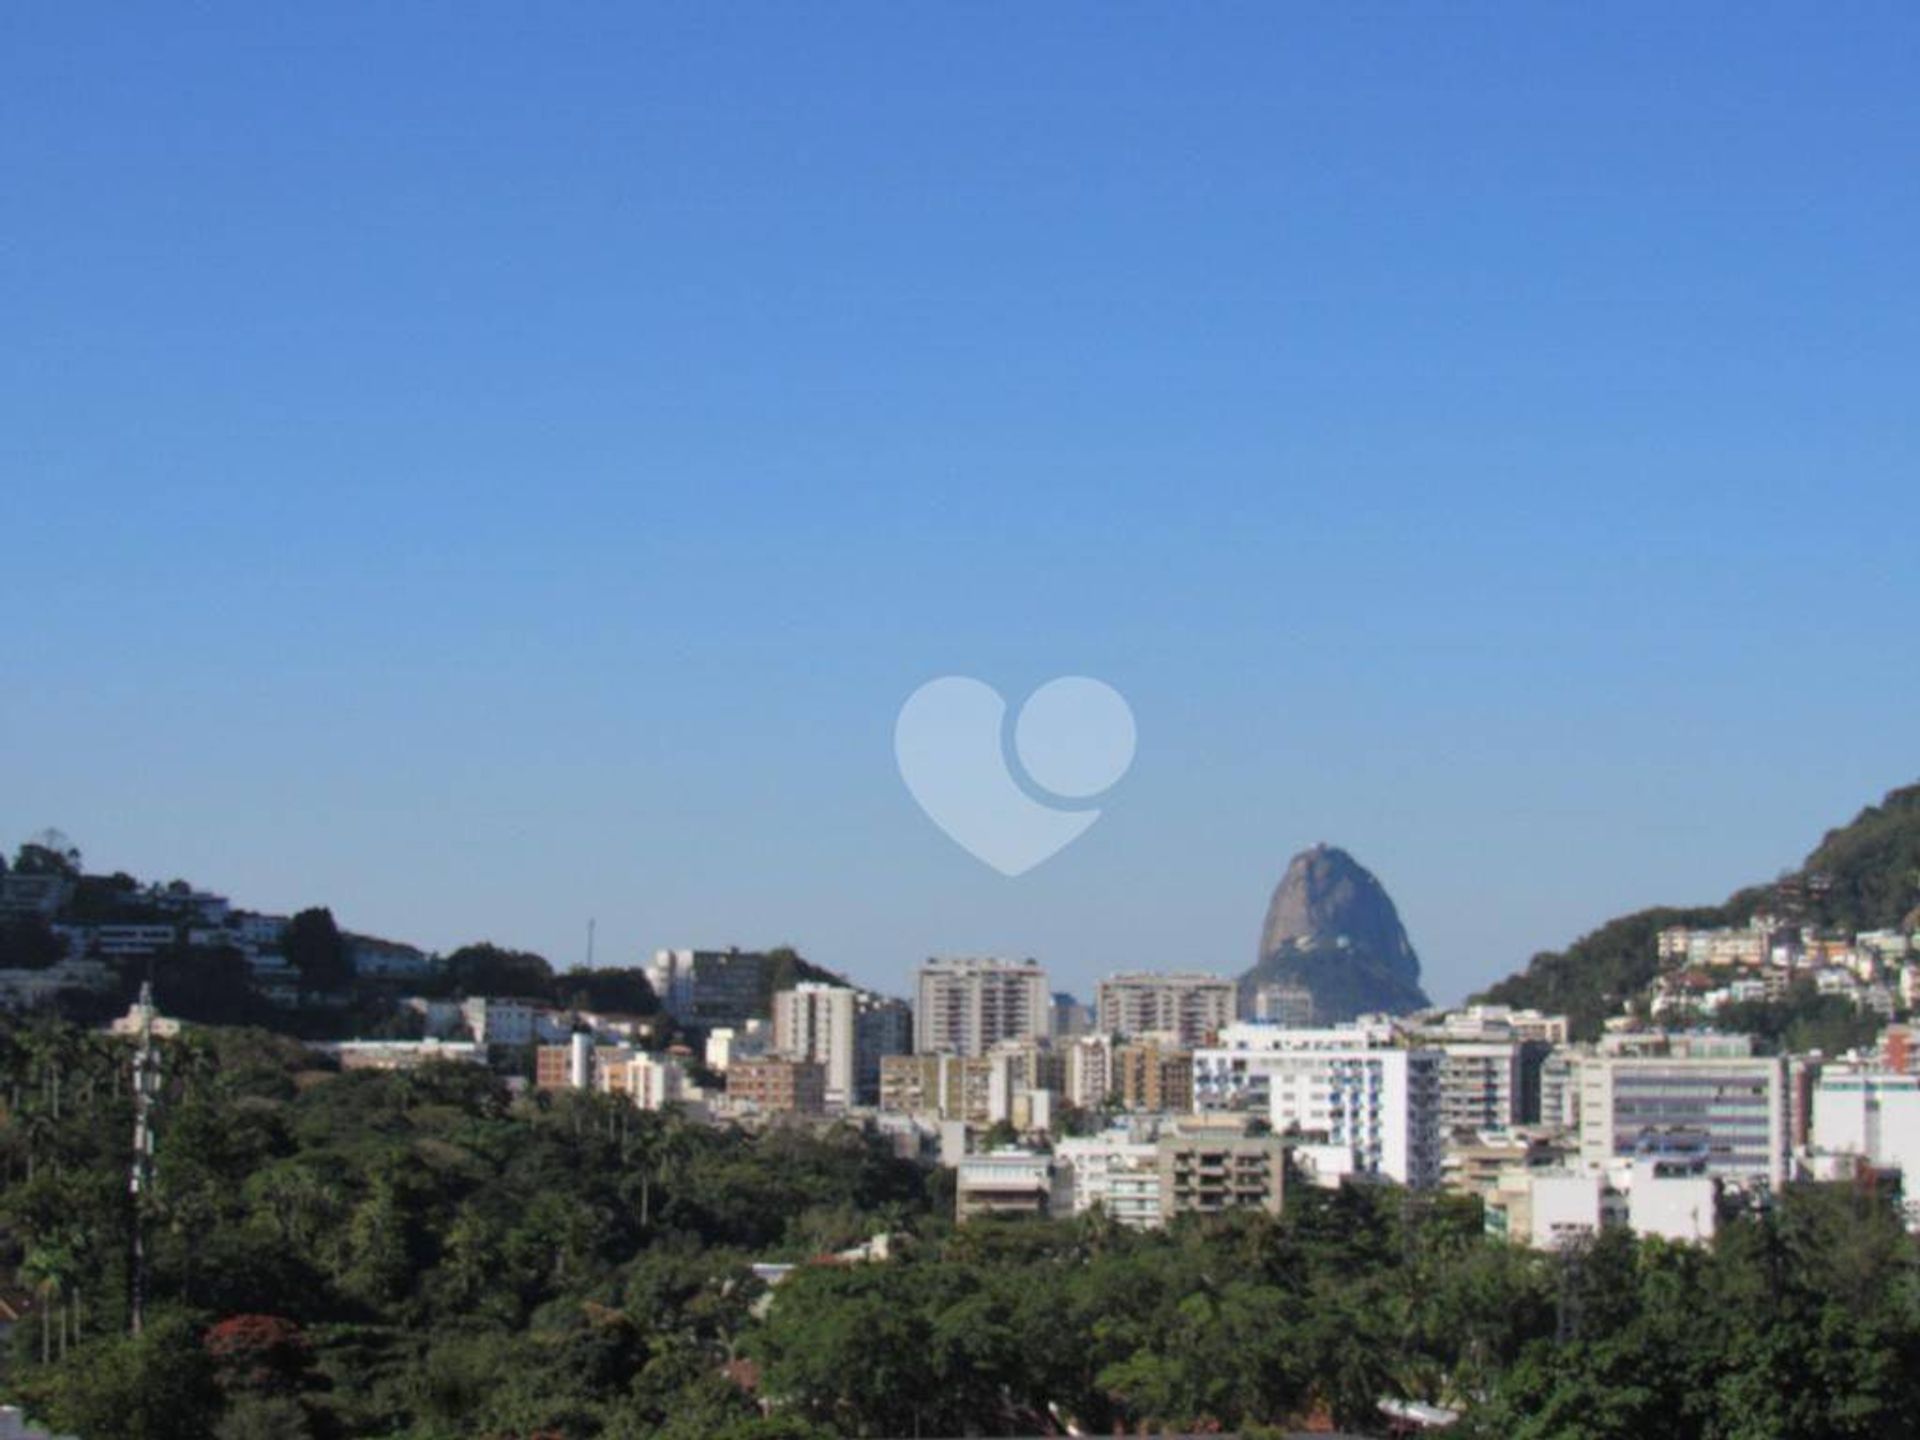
x: 482, y: 467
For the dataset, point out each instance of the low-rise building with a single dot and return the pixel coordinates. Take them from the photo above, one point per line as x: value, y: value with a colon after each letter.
x: 1207, y: 1165
x: 375, y: 959
x: 404, y: 1054
x: 746, y: 1041
x: 1873, y: 1116
x: 774, y: 1085
x: 944, y: 1087
x: 1003, y: 1183
x: 493, y: 1020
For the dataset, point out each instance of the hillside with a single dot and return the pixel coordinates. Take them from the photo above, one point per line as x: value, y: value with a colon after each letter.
x: 1863, y: 876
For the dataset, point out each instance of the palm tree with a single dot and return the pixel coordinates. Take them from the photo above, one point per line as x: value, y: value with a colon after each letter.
x: 48, y: 1268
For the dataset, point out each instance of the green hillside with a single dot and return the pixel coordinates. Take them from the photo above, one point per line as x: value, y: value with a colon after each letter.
x: 1863, y: 876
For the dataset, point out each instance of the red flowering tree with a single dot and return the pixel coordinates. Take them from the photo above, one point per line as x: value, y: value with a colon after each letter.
x: 265, y: 1354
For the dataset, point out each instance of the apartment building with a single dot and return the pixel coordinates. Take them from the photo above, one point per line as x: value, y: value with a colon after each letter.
x: 966, y: 1005
x: 1150, y: 1076
x: 651, y: 1082
x: 816, y: 1022
x: 1023, y: 1077
x: 1207, y: 1165
x: 711, y: 987
x: 1873, y: 1115
x: 1353, y: 1087
x: 495, y: 1021
x: 848, y: 1031
x: 1003, y: 1182
x: 1117, y: 1170
x: 1088, y: 1064
x: 1191, y: 1008
x: 774, y: 1085
x: 945, y: 1087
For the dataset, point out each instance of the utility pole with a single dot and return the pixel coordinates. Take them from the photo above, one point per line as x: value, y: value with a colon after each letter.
x: 590, y: 925
x: 146, y: 1095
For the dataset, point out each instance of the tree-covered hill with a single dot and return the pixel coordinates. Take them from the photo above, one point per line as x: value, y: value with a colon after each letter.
x: 1863, y: 876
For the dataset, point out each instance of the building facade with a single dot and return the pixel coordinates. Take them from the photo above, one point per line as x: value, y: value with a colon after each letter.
x: 1210, y: 1165
x: 1191, y: 1008
x: 1738, y: 1108
x: 967, y: 1005
x: 1352, y: 1087
x: 774, y: 1085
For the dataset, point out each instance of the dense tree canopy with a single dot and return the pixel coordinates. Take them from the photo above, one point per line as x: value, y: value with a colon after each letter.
x: 423, y: 1255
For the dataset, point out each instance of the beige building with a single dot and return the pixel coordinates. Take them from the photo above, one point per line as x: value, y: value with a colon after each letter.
x: 1210, y: 1165
x: 966, y: 1005
x: 1190, y: 1007
x: 948, y: 1087
x: 1154, y: 1077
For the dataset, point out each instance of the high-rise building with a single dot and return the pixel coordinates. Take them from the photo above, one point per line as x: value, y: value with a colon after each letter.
x: 882, y: 1026
x: 967, y: 1005
x: 1192, y: 1008
x: 1354, y: 1088
x: 711, y: 987
x: 1495, y: 1054
x: 846, y: 1030
x: 815, y: 1022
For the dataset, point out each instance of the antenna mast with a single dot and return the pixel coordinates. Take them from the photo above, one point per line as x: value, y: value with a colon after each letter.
x: 146, y: 1094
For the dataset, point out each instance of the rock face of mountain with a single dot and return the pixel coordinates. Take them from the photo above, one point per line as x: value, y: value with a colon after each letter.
x: 1332, y: 930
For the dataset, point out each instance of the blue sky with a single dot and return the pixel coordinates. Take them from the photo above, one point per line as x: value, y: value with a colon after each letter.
x: 483, y: 467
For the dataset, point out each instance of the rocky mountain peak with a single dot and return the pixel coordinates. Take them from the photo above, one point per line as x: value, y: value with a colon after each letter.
x: 1332, y: 928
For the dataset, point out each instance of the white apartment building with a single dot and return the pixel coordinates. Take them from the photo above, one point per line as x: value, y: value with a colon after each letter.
x: 1094, y: 1170
x: 728, y: 1043
x: 1738, y: 1108
x: 494, y: 1021
x: 1875, y: 1115
x: 1089, y: 1070
x: 965, y: 1005
x: 1351, y: 1086
x: 653, y: 1082
x: 1190, y: 1007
